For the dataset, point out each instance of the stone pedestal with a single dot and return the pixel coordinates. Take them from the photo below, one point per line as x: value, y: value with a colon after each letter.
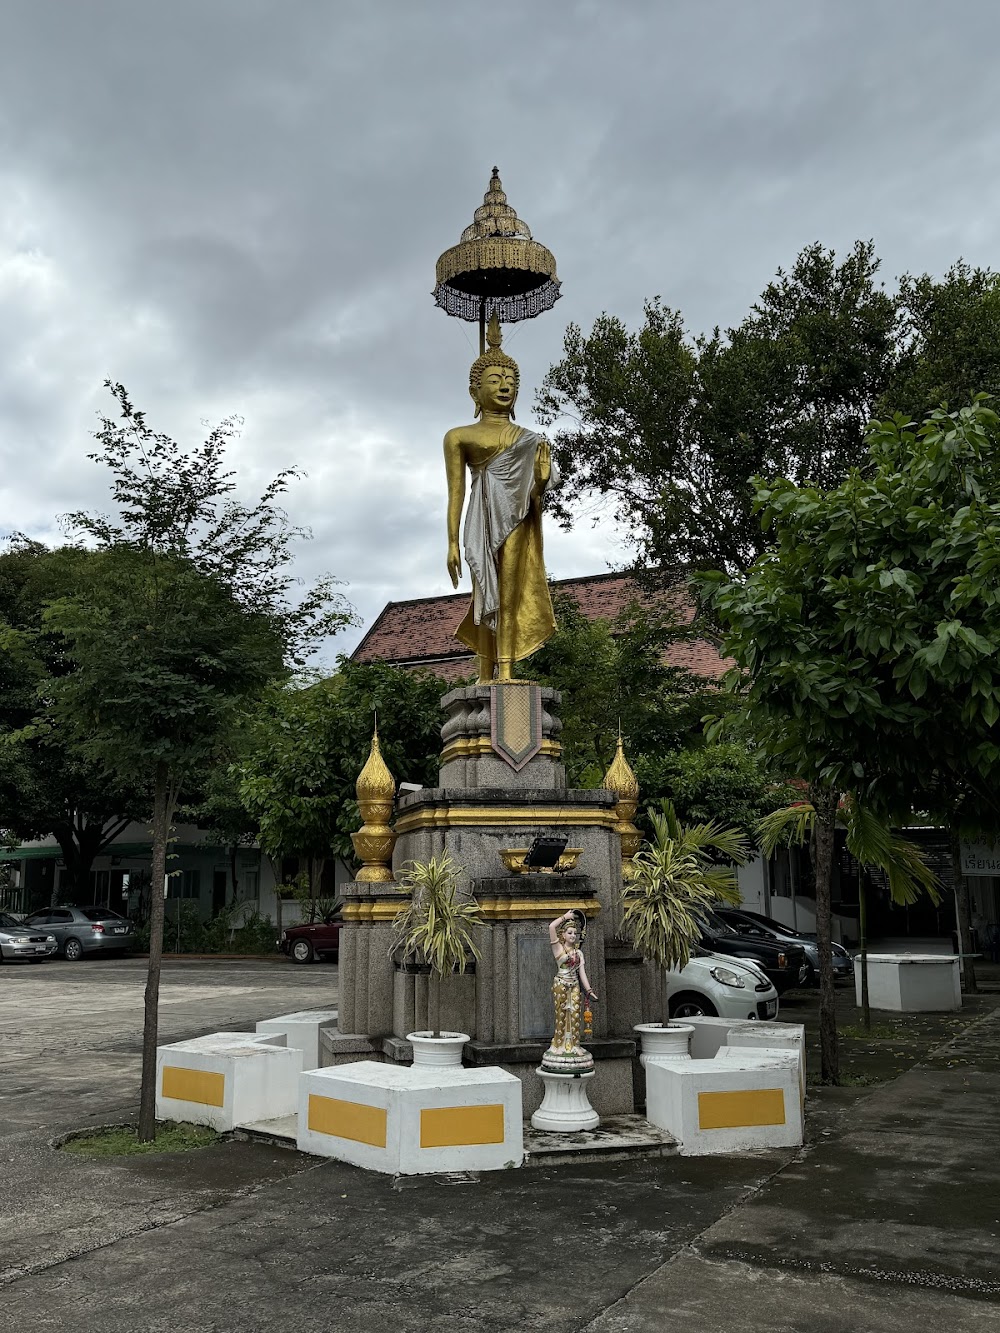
x: 469, y: 759
x: 565, y: 1106
x: 483, y: 806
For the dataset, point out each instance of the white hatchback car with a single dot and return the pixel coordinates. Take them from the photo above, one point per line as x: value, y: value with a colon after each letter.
x: 717, y: 986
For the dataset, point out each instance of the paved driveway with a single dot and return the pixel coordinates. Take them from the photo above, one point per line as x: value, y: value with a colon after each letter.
x: 76, y: 1028
x: 886, y: 1221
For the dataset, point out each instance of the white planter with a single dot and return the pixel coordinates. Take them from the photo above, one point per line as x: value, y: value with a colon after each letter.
x: 442, y: 1052
x: 664, y: 1041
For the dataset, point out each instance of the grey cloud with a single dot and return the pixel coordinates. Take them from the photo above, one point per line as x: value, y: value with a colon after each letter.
x: 235, y: 206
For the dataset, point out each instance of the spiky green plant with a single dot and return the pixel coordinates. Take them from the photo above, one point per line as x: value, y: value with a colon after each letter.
x: 869, y: 840
x: 873, y: 844
x: 434, y: 925
x: 675, y: 879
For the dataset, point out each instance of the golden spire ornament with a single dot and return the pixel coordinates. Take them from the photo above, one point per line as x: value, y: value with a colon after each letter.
x: 374, y: 841
x: 620, y: 780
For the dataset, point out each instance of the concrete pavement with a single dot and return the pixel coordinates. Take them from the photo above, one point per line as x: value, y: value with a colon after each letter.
x: 889, y: 1216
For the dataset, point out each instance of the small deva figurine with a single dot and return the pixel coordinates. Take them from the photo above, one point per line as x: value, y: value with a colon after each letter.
x: 571, y: 983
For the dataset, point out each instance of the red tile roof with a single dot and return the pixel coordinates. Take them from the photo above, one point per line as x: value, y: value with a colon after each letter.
x: 422, y: 632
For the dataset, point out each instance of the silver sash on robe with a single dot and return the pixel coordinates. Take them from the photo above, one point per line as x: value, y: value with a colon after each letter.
x: 499, y: 501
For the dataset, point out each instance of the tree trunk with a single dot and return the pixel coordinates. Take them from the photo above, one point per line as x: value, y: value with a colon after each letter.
x: 963, y: 915
x: 866, y: 1013
x: 81, y: 843
x: 825, y: 802
x: 233, y: 870
x: 162, y: 814
x: 276, y: 875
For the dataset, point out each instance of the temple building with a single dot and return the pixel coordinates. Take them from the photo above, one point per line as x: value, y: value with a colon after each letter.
x: 421, y: 632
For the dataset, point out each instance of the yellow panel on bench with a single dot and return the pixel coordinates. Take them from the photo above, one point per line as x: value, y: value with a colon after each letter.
x: 347, y: 1120
x: 193, y: 1085
x: 737, y: 1110
x: 460, y: 1126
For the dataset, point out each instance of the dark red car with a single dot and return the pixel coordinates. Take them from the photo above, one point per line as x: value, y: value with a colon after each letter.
x: 318, y: 939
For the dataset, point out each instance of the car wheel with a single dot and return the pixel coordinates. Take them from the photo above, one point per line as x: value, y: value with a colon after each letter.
x: 72, y: 951
x: 302, y: 951
x: 688, y: 1004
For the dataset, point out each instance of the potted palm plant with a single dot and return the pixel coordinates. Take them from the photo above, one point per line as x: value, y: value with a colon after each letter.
x: 435, y: 928
x: 676, y: 877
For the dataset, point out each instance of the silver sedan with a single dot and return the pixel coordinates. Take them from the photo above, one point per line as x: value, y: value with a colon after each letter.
x: 20, y: 941
x: 80, y: 930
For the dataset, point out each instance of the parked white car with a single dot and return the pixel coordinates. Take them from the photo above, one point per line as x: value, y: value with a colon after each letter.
x: 717, y: 986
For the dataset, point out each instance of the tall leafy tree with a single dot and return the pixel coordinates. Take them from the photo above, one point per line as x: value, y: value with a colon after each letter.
x: 298, y: 772
x: 184, y: 618
x: 670, y: 427
x: 614, y: 674
x: 45, y: 787
x: 733, y: 782
x: 867, y: 640
x: 950, y: 341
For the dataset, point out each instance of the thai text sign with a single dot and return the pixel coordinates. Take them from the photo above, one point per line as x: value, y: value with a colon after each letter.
x: 980, y: 858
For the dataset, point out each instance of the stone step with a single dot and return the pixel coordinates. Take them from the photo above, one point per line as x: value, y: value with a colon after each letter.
x: 617, y: 1138
x: 280, y: 1132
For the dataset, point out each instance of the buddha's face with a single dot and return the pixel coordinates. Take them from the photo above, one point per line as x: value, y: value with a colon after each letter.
x: 497, y: 389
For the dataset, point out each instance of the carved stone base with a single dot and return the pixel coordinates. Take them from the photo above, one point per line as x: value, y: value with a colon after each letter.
x: 469, y: 758
x: 565, y: 1107
x: 554, y: 1062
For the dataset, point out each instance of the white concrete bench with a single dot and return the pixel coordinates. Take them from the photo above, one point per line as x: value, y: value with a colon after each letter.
x: 733, y: 1094
x: 302, y: 1031
x: 738, y: 1101
x: 714, y: 1034
x: 412, y: 1120
x: 226, y: 1079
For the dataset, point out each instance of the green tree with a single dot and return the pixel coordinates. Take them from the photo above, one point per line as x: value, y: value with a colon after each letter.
x: 867, y: 641
x: 731, y: 782
x: 46, y: 788
x: 298, y: 774
x: 950, y: 349
x: 182, y: 620
x: 613, y: 673
x: 671, y: 427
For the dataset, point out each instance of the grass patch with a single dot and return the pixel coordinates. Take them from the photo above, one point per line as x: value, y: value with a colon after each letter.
x: 121, y: 1140
x: 877, y: 1031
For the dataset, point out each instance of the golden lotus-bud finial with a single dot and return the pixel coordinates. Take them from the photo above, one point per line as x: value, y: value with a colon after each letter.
x: 620, y: 780
x: 375, y: 782
x: 374, y: 841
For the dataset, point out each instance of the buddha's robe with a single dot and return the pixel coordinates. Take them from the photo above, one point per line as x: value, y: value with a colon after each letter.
x: 500, y: 500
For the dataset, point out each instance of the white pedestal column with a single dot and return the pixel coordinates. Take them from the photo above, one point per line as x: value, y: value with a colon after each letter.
x: 565, y: 1106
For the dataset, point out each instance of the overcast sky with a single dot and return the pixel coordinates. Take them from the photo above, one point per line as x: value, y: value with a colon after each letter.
x: 235, y: 206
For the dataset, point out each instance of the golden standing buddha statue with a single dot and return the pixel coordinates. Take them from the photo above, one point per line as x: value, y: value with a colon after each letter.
x: 498, y: 272
x: 510, y: 615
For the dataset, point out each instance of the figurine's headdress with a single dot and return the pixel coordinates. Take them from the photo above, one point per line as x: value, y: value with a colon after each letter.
x: 579, y: 920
